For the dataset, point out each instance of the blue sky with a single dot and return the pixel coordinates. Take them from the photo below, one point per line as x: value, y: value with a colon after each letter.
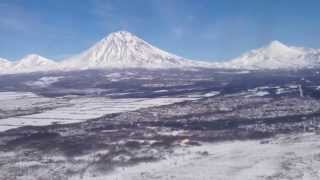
x: 209, y: 30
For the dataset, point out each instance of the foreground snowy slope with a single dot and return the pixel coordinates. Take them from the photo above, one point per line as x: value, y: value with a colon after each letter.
x: 282, y: 157
x: 125, y: 50
x: 277, y: 55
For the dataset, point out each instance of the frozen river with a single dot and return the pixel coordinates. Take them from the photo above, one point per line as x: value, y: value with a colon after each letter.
x: 27, y: 109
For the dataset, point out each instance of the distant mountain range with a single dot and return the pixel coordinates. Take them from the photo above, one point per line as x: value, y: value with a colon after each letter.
x: 277, y: 55
x: 125, y: 50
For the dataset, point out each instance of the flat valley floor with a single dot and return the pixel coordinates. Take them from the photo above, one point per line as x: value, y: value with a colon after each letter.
x: 137, y: 124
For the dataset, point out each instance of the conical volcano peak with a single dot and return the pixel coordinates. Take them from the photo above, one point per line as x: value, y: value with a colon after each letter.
x: 122, y: 36
x: 122, y: 49
x: 278, y: 49
x: 277, y: 45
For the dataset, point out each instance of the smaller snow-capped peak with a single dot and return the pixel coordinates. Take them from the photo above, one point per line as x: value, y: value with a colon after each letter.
x: 5, y: 63
x: 2, y: 60
x: 276, y: 55
x: 34, y: 59
x: 34, y: 62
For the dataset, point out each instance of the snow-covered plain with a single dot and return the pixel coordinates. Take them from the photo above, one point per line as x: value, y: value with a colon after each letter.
x: 159, y: 142
x: 44, y: 81
x: 66, y: 110
x: 283, y: 157
x: 16, y: 102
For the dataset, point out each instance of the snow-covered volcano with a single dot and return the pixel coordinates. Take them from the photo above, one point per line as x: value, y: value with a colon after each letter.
x: 125, y: 50
x: 122, y: 50
x: 276, y: 55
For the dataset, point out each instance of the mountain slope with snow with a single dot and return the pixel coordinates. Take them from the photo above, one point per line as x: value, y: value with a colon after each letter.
x: 33, y: 63
x: 122, y: 50
x: 276, y: 56
x: 125, y: 50
x: 4, y: 64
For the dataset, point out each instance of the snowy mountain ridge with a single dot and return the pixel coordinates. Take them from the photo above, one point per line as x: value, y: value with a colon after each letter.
x: 122, y: 50
x: 31, y: 63
x: 4, y: 64
x: 276, y: 55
